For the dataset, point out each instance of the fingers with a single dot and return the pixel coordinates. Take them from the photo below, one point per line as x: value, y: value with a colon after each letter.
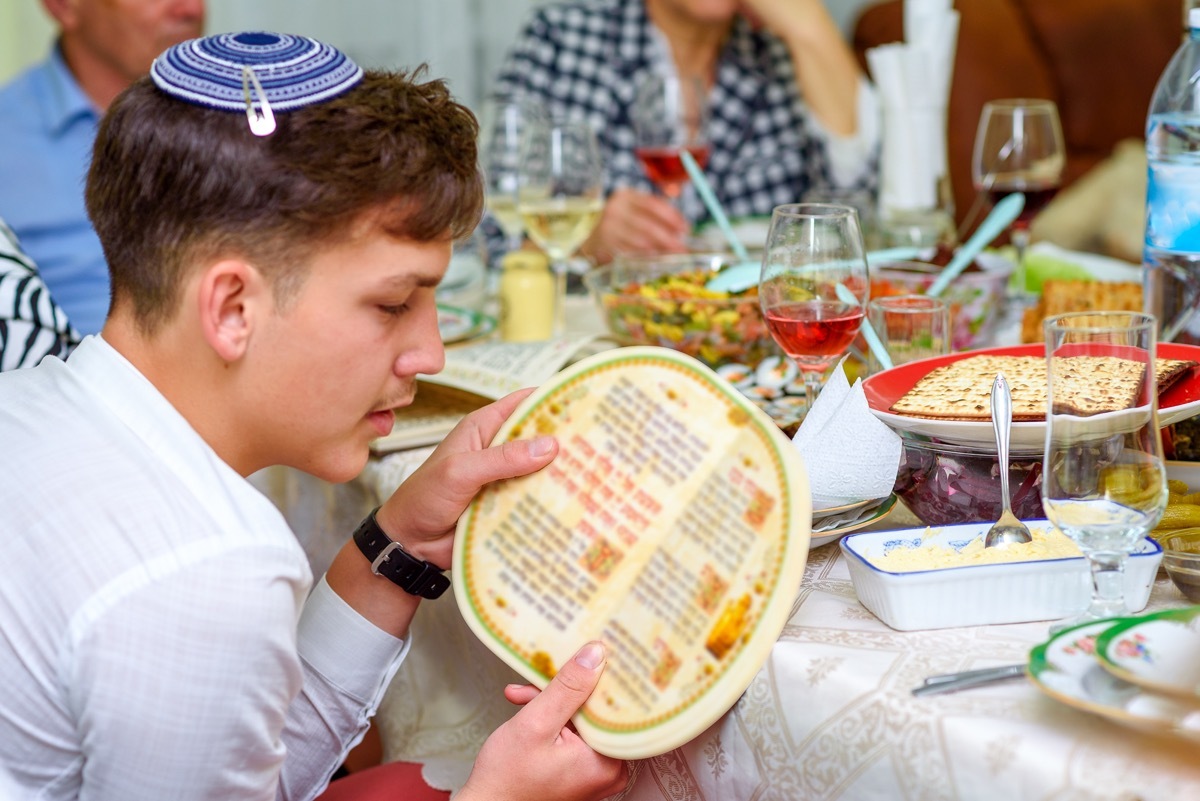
x: 551, y: 710
x: 520, y: 694
x: 478, y: 429
x: 639, y: 223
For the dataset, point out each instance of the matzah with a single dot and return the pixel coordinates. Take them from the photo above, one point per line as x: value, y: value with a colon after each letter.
x: 1093, y: 384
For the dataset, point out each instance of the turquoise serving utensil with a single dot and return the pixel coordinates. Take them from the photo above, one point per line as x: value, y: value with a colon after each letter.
x: 992, y: 226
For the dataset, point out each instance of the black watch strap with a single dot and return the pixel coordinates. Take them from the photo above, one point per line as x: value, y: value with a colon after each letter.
x: 390, y: 560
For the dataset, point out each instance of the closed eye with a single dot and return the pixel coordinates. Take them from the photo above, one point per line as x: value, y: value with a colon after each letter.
x: 393, y: 311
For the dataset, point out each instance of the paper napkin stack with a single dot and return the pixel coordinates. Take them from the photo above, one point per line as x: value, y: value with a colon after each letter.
x: 850, y: 455
x: 913, y: 81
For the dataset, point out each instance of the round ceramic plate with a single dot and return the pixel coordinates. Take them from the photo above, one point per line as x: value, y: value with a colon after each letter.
x: 1160, y: 651
x: 884, y: 388
x: 459, y: 325
x: 1065, y: 668
x: 824, y: 536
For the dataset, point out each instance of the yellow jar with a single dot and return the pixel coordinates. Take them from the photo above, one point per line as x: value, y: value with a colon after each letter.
x: 526, y: 297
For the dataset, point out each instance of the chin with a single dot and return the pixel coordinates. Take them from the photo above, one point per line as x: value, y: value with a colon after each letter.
x: 337, y: 468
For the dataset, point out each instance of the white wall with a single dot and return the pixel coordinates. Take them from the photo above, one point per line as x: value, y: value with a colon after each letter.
x: 25, y: 34
x: 462, y: 40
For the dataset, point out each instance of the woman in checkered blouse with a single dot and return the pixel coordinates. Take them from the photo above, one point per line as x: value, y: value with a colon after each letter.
x: 791, y: 112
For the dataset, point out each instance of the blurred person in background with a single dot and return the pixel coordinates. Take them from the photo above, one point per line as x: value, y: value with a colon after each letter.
x: 48, y: 119
x: 790, y: 112
x: 32, y: 326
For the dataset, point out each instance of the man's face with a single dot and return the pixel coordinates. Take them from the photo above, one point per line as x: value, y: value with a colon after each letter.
x: 127, y: 35
x: 328, y: 369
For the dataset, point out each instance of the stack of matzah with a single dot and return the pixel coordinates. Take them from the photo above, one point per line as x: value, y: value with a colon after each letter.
x: 1060, y: 297
x: 1091, y: 385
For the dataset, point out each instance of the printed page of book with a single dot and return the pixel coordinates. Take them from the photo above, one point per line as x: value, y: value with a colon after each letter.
x: 673, y: 525
x: 474, y: 376
x: 494, y: 369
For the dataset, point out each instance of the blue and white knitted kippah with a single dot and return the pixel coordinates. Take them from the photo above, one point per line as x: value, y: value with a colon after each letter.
x: 293, y: 71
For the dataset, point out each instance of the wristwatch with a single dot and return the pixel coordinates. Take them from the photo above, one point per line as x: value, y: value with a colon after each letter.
x: 390, y: 560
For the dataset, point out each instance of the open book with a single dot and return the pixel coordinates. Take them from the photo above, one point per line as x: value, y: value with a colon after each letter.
x: 474, y: 376
x: 673, y: 525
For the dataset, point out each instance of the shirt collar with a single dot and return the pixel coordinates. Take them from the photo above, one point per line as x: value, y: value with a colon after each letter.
x: 65, y: 100
x: 133, y: 399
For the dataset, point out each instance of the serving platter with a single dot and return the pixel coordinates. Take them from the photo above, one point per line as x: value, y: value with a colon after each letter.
x: 1066, y: 669
x: 1160, y: 652
x: 884, y: 388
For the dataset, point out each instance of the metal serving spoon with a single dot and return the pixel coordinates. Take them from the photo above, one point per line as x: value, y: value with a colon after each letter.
x: 1008, y: 529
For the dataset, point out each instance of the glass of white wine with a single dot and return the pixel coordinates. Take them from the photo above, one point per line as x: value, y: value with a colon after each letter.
x: 505, y: 120
x: 561, y: 195
x: 1103, y: 480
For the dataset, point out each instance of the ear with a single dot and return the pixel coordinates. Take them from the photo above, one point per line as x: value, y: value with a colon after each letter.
x: 64, y: 12
x: 230, y: 298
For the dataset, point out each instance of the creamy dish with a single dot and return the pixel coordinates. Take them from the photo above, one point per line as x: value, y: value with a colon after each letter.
x: 1046, y: 544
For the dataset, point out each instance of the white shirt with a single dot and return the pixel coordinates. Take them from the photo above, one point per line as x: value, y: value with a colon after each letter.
x: 155, y: 641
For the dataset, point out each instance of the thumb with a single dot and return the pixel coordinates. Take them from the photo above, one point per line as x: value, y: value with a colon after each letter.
x: 570, y: 688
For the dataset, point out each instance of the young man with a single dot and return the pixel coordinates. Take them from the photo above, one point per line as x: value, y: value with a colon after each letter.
x: 272, y: 303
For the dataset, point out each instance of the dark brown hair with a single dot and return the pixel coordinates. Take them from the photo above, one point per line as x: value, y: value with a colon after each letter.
x: 173, y: 184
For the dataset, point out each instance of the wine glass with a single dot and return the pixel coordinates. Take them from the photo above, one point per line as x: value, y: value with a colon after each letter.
x: 561, y: 195
x: 814, y: 286
x: 1103, y: 479
x: 1019, y: 148
x: 504, y: 121
x: 670, y: 115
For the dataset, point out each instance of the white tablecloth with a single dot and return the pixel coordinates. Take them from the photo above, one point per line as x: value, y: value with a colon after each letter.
x: 830, y: 716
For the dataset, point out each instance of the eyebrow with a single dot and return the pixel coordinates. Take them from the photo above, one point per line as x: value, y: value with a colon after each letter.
x: 423, y: 281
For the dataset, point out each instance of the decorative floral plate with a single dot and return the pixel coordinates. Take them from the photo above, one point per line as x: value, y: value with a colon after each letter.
x: 1160, y: 651
x: 1066, y: 669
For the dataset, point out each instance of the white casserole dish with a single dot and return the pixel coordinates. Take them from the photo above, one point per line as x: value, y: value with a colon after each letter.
x: 979, y: 595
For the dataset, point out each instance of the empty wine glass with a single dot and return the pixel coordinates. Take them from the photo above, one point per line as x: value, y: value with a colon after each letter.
x: 814, y: 286
x: 670, y: 115
x: 1103, y: 479
x: 1019, y: 148
x: 561, y: 194
x: 504, y: 121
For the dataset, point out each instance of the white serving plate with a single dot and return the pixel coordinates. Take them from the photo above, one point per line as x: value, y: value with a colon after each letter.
x: 980, y: 595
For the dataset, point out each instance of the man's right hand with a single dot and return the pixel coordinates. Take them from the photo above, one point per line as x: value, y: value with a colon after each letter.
x: 537, y: 754
x: 635, y: 223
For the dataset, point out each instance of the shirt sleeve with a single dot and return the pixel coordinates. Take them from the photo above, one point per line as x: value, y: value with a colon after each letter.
x: 32, y: 325
x: 853, y: 158
x: 186, y: 684
x: 348, y: 663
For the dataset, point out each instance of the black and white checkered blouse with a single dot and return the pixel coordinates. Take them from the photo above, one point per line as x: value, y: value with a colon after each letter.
x: 583, y: 59
x: 32, y: 326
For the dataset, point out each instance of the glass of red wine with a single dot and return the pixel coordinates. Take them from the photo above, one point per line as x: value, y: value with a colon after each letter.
x: 1019, y: 148
x: 814, y: 285
x: 670, y: 115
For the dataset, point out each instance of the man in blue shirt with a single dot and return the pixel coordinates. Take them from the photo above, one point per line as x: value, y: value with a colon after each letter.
x: 48, y: 118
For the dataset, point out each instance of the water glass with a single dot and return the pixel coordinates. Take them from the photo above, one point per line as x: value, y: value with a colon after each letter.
x: 1103, y: 478
x: 910, y: 327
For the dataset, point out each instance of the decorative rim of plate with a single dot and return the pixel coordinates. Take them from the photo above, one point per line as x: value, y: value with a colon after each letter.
x: 471, y: 324
x: 885, y: 508
x: 882, y: 389
x: 1113, y: 638
x: 1041, y: 665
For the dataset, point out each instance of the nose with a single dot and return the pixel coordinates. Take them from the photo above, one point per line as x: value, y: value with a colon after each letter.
x: 421, y: 349
x: 190, y: 10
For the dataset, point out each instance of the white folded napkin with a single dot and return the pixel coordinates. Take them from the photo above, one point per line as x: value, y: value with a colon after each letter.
x: 913, y: 83
x: 850, y: 455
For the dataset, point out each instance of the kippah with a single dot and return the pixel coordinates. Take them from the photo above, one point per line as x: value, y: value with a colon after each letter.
x: 293, y: 71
